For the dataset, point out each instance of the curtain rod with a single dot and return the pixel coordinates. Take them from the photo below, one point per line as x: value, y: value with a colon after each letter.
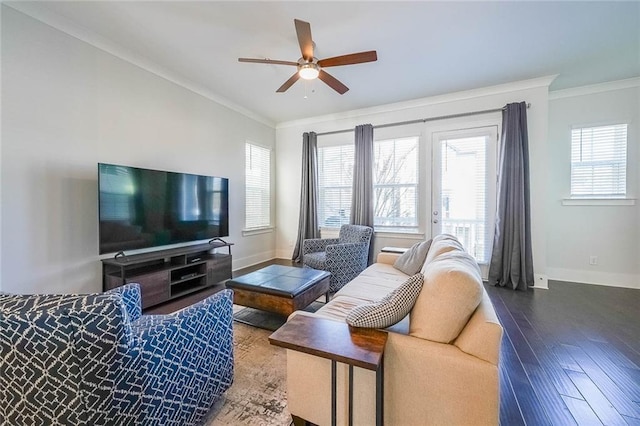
x: 421, y: 120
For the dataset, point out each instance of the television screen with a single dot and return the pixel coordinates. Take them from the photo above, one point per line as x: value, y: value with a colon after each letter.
x: 141, y: 208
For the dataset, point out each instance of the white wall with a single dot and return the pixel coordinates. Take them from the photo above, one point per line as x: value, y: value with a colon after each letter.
x: 574, y: 233
x: 289, y: 151
x: 66, y: 106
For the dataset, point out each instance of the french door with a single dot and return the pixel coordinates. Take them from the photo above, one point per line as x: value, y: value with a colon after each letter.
x: 464, y: 174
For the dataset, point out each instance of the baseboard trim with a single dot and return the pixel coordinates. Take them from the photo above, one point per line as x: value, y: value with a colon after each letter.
x: 540, y: 281
x: 595, y: 278
x: 244, y: 262
x: 284, y: 254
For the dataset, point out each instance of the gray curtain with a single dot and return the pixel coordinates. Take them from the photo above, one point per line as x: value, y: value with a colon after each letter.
x: 362, y: 187
x: 308, y: 220
x: 511, y: 260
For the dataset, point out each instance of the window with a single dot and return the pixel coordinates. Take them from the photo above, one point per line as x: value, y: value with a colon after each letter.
x: 599, y: 162
x: 257, y: 186
x: 335, y: 176
x: 395, y: 183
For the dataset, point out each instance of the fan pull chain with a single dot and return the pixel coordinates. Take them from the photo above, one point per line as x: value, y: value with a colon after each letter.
x: 308, y: 83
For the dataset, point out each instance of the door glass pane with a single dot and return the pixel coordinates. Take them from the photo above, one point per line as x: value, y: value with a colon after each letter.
x: 463, y: 201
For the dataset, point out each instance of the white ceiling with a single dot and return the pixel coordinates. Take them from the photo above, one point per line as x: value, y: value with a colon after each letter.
x: 424, y: 48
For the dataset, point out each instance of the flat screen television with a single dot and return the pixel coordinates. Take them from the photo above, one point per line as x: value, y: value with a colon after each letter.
x: 141, y: 208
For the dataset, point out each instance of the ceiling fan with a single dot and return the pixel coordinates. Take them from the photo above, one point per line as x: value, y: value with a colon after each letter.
x: 309, y: 67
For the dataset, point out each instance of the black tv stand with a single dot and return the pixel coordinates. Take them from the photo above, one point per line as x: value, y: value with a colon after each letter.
x: 168, y: 274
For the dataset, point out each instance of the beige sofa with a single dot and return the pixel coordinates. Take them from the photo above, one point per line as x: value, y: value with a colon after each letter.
x: 441, y: 361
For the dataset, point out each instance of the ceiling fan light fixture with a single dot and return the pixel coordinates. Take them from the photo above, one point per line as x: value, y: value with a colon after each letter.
x: 309, y: 71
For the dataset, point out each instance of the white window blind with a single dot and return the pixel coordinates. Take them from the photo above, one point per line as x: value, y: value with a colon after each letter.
x: 257, y: 186
x: 599, y: 162
x: 335, y: 177
x: 396, y: 183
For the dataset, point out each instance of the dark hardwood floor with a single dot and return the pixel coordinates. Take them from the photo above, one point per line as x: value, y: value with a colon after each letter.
x: 570, y: 354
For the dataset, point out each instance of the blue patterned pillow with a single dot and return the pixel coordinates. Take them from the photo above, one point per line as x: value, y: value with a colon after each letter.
x: 390, y: 309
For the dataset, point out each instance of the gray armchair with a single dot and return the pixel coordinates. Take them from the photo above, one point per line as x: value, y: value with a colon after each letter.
x: 344, y: 257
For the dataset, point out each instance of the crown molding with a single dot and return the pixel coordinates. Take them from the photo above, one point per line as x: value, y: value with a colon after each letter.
x: 38, y: 11
x: 422, y: 102
x: 595, y: 88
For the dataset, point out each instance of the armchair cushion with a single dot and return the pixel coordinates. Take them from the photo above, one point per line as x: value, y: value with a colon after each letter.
x: 389, y: 310
x: 316, y: 260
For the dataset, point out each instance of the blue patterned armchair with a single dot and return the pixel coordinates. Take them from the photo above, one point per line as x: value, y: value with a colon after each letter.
x: 96, y: 360
x: 345, y: 257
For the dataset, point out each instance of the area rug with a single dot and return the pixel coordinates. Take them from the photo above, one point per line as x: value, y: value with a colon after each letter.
x: 258, y: 395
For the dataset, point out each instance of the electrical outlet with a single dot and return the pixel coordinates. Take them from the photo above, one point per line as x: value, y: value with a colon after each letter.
x: 593, y: 260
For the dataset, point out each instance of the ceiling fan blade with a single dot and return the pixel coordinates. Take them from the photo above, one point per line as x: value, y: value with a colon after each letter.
x: 288, y: 83
x: 303, y: 30
x: 354, y: 58
x: 333, y: 82
x: 267, y: 61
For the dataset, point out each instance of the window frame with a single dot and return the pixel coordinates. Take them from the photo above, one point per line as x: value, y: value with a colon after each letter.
x: 333, y: 142
x: 321, y: 189
x: 594, y: 162
x: 415, y: 185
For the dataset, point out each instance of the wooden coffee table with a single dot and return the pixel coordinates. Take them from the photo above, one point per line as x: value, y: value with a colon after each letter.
x: 280, y: 289
x: 336, y: 341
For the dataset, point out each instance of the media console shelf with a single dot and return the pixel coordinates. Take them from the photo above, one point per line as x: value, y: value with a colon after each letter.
x: 166, y: 274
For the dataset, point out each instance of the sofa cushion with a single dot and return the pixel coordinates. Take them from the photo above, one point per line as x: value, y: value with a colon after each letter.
x: 411, y: 261
x: 451, y: 292
x: 374, y: 283
x: 390, y: 309
x: 440, y: 244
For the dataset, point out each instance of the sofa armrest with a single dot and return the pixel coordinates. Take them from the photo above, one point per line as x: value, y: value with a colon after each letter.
x: 314, y: 245
x: 446, y: 385
x: 131, y: 299
x: 387, y: 258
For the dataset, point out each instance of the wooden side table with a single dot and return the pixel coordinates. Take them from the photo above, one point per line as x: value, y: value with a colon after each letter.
x: 336, y: 341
